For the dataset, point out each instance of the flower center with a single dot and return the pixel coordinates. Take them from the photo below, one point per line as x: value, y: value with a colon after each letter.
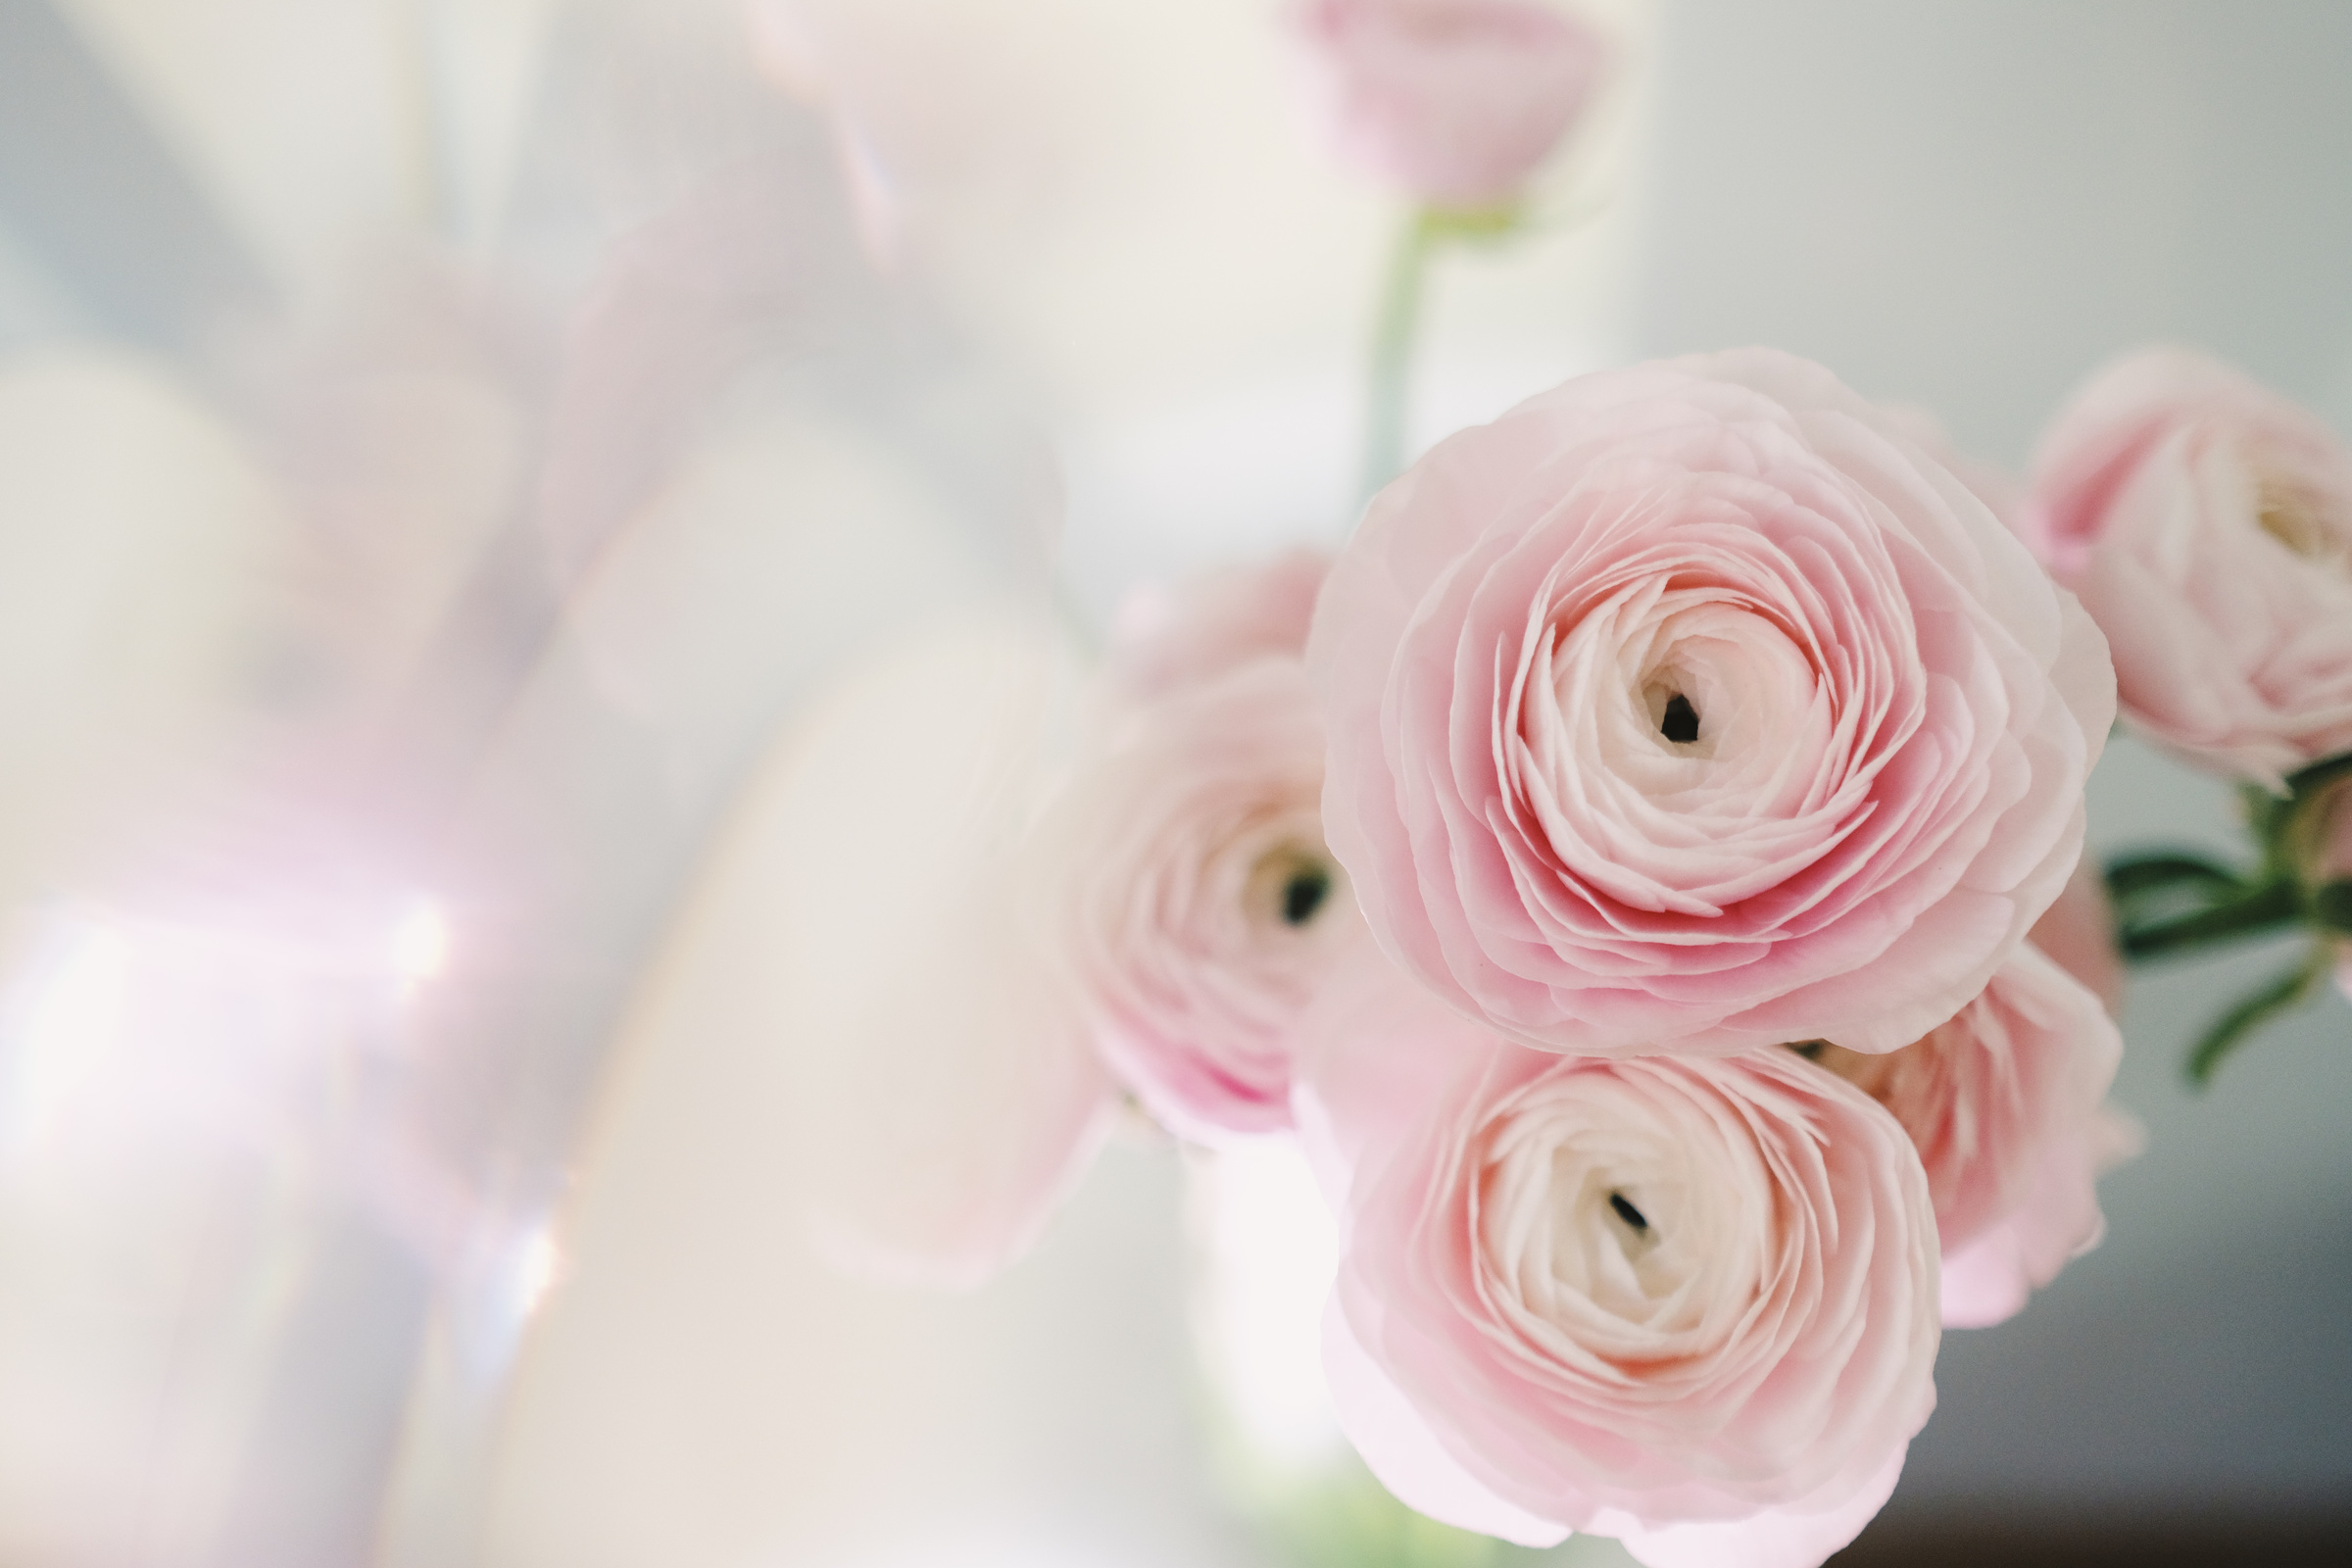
x: 1679, y: 724
x: 2300, y: 524
x: 1304, y: 894
x: 1291, y: 883
x: 1636, y: 1237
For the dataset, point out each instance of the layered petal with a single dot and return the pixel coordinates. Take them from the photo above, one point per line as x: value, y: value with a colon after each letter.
x: 1694, y: 707
x: 2206, y: 522
x: 2005, y: 1103
x: 1618, y: 1297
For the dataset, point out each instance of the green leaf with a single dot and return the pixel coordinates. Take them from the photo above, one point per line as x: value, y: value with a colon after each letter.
x: 2131, y: 875
x: 2233, y: 1027
x: 2128, y: 874
x: 2264, y: 908
x: 2331, y: 905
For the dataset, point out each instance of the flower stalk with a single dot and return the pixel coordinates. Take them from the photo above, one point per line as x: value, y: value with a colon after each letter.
x: 1389, y: 386
x: 2169, y: 903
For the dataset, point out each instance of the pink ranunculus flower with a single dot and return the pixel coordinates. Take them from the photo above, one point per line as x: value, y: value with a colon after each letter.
x: 1454, y: 101
x: 1689, y: 1303
x: 1184, y: 883
x: 2005, y: 1102
x: 2207, y: 524
x: 1691, y: 708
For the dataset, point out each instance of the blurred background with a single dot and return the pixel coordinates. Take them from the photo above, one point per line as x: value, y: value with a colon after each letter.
x: 471, y: 474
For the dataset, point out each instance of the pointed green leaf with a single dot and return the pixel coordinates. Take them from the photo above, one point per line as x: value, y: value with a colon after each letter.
x: 2268, y: 907
x: 2129, y: 875
x: 2233, y: 1027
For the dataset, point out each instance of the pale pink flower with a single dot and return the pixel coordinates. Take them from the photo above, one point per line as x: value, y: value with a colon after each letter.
x: 1454, y: 101
x: 2004, y: 1103
x: 1691, y: 1302
x: 2077, y: 933
x: 1691, y: 708
x: 1171, y: 636
x: 2207, y: 523
x: 1188, y: 894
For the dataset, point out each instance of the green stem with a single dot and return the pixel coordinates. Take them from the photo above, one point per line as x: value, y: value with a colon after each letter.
x: 2263, y: 909
x: 2232, y: 1028
x: 1393, y: 350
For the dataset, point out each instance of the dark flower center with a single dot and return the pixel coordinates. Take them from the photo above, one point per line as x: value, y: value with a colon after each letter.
x: 1625, y: 1211
x: 1304, y: 894
x: 1679, y: 723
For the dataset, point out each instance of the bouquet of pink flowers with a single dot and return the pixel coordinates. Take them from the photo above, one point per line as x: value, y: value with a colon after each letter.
x: 1643, y: 867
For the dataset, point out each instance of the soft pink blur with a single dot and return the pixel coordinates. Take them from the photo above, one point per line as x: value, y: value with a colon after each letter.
x: 1624, y: 1297
x: 2077, y: 933
x: 1892, y: 710
x: 1455, y: 102
x: 2206, y: 522
x: 1177, y: 634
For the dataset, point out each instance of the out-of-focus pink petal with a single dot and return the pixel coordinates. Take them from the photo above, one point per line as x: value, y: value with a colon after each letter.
x: 2207, y: 523
x: 2077, y: 933
x: 1170, y: 636
x: 1399, y: 1447
x: 1791, y: 1537
x: 1455, y: 102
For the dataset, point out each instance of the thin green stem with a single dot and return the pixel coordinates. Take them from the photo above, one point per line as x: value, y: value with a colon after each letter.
x: 2259, y: 910
x: 1392, y: 334
x: 2252, y: 1011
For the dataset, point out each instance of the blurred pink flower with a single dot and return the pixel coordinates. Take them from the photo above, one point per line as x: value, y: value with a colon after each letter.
x: 2207, y: 523
x: 2004, y: 1105
x: 1170, y: 636
x: 1691, y: 708
x: 1454, y: 101
x: 1687, y: 1303
x: 2077, y: 933
x: 1185, y: 885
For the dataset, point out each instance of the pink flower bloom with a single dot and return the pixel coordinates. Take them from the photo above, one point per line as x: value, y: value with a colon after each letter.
x: 2004, y: 1103
x: 2207, y: 523
x: 1455, y: 101
x: 1691, y: 708
x: 1185, y: 885
x: 1192, y: 902
x: 1687, y: 1303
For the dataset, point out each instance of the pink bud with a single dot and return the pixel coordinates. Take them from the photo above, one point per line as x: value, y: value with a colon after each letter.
x: 1457, y: 101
